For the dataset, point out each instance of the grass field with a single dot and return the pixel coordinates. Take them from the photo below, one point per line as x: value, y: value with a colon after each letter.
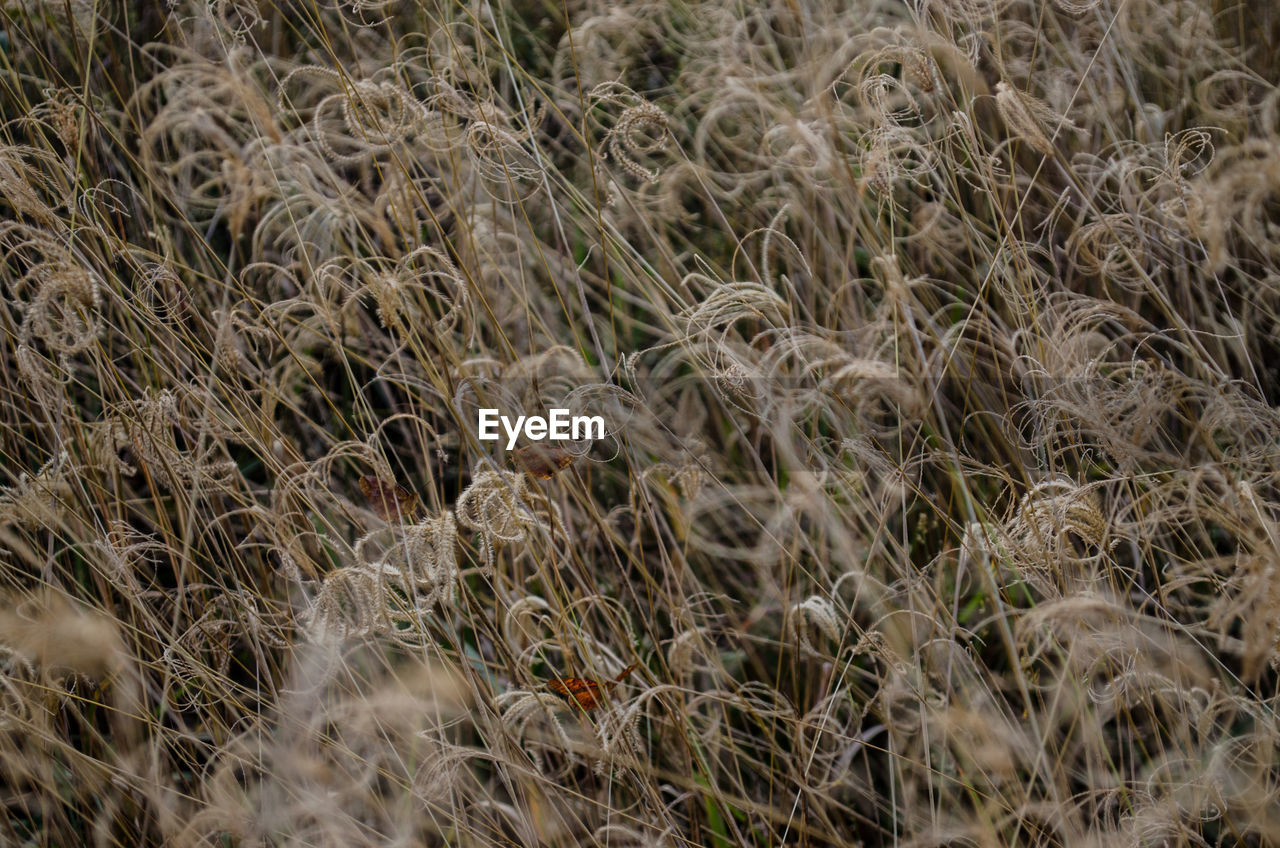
x: 937, y: 349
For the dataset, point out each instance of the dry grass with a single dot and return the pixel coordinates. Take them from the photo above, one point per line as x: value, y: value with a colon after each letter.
x: 936, y: 342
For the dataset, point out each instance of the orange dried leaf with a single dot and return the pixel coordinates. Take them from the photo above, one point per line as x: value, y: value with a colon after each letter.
x: 585, y: 694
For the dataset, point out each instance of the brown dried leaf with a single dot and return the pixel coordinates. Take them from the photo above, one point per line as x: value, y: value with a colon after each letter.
x: 390, y: 501
x: 543, y: 461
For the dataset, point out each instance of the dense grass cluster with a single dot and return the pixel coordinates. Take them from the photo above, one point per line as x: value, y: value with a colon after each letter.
x: 938, y: 344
